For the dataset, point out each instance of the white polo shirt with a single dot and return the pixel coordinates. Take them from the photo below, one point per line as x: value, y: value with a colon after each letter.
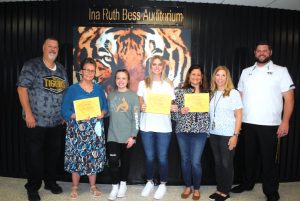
x: 155, y: 122
x: 262, y: 89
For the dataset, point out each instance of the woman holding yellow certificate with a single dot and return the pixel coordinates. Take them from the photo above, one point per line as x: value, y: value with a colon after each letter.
x: 225, y: 124
x: 155, y: 95
x: 192, y: 129
x: 85, y: 141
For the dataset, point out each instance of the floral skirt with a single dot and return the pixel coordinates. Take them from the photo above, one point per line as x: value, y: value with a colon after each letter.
x: 84, y: 149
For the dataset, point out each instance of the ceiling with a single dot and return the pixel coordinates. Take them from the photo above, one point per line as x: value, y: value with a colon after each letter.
x: 281, y: 4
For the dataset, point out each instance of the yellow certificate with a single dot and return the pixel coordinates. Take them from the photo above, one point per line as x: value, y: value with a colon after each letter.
x: 87, y: 108
x: 198, y: 102
x: 158, y: 103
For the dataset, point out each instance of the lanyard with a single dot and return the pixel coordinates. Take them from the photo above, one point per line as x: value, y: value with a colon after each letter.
x: 215, y: 108
x: 216, y: 104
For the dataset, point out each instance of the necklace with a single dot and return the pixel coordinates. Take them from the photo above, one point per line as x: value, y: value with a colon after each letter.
x: 215, y: 108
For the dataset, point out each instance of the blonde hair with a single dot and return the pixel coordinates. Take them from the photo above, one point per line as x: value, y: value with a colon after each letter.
x: 149, y: 80
x: 228, y: 84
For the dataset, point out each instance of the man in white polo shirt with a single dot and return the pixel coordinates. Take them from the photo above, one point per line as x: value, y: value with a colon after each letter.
x: 263, y: 88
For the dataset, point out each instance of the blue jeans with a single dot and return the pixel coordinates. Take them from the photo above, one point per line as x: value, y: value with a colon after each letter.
x: 191, y: 147
x: 156, y: 146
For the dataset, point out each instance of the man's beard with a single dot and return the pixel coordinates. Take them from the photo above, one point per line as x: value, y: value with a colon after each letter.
x: 52, y: 56
x: 266, y: 60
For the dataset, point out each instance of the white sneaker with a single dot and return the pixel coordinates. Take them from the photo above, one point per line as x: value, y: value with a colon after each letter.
x: 122, y: 190
x: 147, y: 189
x: 113, y: 192
x: 160, y: 192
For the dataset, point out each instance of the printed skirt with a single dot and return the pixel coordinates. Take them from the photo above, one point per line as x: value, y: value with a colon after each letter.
x: 84, y: 150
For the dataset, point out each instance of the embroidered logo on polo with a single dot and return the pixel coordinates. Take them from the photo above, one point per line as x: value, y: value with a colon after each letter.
x: 54, y: 84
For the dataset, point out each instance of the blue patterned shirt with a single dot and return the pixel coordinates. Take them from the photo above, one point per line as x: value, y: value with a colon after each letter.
x: 45, y: 89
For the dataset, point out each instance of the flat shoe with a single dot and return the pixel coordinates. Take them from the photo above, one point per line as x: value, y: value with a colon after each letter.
x: 74, y: 193
x: 95, y: 192
x: 213, y: 196
x: 185, y: 194
x: 196, y: 196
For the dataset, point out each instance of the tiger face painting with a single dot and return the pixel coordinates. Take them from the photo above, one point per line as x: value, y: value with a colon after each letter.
x: 132, y: 48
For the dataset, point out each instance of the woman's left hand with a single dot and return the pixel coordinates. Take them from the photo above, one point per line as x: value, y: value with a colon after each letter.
x: 102, y: 115
x: 232, y: 142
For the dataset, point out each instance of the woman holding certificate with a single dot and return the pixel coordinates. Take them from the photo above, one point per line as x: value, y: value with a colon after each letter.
x: 83, y: 108
x: 124, y: 110
x: 192, y: 126
x: 155, y: 95
x: 225, y: 124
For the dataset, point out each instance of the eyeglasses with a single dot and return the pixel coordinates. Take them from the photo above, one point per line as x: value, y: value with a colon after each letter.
x: 89, y: 71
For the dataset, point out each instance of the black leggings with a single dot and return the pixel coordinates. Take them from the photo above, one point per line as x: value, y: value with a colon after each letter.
x: 223, y: 162
x: 119, y: 160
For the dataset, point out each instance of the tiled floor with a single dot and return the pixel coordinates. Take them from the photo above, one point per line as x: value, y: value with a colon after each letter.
x: 12, y: 189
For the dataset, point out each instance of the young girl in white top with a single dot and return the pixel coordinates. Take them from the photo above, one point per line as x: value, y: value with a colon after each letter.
x: 155, y: 128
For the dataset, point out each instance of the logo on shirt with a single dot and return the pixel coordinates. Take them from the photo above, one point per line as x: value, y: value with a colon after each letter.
x: 54, y: 84
x: 122, y: 107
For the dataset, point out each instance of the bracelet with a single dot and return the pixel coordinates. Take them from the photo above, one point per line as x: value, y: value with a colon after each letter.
x: 236, y: 134
x: 133, y: 137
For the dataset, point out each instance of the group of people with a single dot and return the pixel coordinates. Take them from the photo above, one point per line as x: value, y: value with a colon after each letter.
x: 48, y: 102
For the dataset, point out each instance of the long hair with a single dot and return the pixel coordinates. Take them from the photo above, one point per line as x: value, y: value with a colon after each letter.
x: 124, y: 71
x: 228, y: 84
x: 203, y: 85
x: 149, y: 80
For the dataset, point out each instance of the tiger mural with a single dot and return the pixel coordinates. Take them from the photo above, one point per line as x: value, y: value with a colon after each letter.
x: 131, y: 48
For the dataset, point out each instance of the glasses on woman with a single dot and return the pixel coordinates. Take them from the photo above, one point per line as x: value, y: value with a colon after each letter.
x: 89, y: 71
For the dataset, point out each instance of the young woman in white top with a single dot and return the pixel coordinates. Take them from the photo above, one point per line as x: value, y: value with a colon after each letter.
x: 155, y: 128
x: 225, y: 124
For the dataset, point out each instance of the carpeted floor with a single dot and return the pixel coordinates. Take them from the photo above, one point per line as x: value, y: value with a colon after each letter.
x: 12, y: 189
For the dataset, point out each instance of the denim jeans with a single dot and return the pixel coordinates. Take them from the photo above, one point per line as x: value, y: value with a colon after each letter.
x: 191, y: 147
x: 156, y: 146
